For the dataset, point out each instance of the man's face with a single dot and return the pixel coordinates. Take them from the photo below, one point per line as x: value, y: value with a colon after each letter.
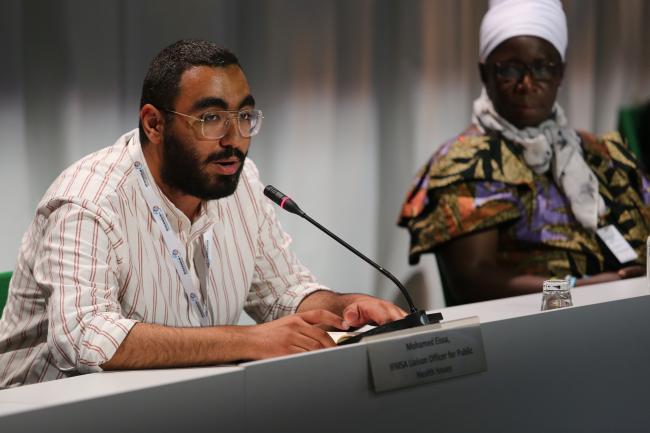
x: 205, y: 168
x: 523, y: 99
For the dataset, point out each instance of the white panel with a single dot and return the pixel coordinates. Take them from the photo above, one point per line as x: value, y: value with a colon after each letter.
x: 16, y: 172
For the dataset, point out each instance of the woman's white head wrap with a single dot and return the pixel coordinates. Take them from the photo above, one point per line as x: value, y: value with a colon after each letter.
x: 506, y: 19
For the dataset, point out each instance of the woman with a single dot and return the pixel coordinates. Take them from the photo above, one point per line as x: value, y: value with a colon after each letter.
x: 518, y: 197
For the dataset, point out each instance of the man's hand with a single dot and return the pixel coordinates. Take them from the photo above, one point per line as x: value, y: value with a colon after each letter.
x: 367, y: 309
x: 356, y: 309
x: 292, y: 334
x: 302, y: 332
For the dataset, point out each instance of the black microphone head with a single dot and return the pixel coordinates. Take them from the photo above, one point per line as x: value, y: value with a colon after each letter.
x: 282, y: 200
x: 274, y: 194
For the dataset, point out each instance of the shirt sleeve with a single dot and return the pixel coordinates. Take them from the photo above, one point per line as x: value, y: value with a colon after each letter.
x: 473, y: 182
x: 75, y: 268
x: 456, y: 210
x: 280, y: 281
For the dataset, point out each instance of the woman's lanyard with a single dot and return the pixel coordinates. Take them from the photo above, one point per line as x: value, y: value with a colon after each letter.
x: 174, y: 246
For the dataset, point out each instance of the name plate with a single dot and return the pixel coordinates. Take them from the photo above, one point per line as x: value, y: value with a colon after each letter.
x: 426, y: 354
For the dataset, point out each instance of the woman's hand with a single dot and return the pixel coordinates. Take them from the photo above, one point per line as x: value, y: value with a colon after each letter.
x: 604, y: 277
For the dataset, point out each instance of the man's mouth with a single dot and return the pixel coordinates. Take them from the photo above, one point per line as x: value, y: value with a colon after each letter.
x: 227, y: 167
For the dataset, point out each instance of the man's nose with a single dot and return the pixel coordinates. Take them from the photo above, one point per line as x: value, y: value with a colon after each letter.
x: 232, y: 138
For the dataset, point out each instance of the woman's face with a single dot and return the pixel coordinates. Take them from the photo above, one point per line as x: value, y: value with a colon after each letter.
x: 522, y: 76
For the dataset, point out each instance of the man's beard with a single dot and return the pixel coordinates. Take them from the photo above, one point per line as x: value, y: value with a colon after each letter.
x: 182, y: 170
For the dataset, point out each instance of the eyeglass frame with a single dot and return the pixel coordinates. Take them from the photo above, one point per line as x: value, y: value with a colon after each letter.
x: 525, y: 69
x: 231, y: 114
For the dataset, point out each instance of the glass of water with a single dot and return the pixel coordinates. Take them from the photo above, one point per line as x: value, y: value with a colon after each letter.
x: 556, y: 294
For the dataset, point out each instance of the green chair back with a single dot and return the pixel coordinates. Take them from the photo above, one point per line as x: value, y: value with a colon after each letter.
x: 632, y: 124
x: 629, y: 119
x: 4, y: 289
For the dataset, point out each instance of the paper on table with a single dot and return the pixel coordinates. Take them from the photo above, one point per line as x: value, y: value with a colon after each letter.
x: 339, y: 336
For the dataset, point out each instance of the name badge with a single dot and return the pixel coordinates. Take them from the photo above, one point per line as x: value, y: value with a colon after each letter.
x: 426, y: 354
x: 617, y: 244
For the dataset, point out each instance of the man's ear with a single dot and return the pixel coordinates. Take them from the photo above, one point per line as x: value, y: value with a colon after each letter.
x: 152, y: 123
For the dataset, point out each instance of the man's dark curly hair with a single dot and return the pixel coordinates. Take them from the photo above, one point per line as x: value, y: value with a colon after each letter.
x: 160, y: 86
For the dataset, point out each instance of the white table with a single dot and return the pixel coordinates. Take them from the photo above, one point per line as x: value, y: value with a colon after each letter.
x: 167, y: 400
x: 518, y: 306
x: 579, y: 369
x: 584, y: 368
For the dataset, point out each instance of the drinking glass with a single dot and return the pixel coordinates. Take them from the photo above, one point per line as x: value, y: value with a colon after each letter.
x: 556, y: 294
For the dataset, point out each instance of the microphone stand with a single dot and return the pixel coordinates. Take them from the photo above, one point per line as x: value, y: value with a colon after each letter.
x: 413, y: 319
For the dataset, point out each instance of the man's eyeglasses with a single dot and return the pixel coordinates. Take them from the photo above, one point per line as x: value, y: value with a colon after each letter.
x: 215, y: 124
x: 513, y: 72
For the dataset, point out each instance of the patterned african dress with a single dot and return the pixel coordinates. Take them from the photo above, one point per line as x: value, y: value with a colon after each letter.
x: 477, y: 182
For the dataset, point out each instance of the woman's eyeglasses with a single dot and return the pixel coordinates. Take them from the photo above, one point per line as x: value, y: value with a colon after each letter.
x: 513, y: 71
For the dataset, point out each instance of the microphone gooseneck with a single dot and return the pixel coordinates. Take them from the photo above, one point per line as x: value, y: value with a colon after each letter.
x: 414, y: 318
x: 288, y: 204
x: 384, y: 272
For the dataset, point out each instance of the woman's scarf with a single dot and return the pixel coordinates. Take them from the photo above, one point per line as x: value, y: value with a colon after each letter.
x: 552, y: 145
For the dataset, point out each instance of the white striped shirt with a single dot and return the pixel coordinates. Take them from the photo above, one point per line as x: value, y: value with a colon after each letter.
x: 93, y: 263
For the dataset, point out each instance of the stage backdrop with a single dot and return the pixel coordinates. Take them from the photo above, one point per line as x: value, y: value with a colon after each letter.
x: 356, y: 94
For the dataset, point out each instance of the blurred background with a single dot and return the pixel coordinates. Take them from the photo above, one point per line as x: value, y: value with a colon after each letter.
x: 356, y: 95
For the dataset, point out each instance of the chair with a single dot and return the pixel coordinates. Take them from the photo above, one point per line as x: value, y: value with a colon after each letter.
x: 4, y: 289
x: 451, y: 298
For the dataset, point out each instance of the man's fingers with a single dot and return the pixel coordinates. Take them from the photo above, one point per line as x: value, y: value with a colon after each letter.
x: 307, y: 337
x: 291, y: 334
x: 318, y: 339
x: 353, y: 315
x: 396, y: 312
x: 383, y: 313
x: 324, y: 317
x: 379, y: 312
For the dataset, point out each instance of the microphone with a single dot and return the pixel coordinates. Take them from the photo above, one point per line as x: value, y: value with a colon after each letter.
x: 415, y: 318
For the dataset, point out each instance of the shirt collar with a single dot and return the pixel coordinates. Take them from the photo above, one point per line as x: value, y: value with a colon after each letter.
x: 208, y: 212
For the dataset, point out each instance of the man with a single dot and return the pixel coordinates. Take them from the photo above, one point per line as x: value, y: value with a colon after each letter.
x: 519, y: 196
x: 143, y: 254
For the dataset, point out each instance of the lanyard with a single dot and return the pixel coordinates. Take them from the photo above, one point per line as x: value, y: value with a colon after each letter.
x: 174, y: 246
